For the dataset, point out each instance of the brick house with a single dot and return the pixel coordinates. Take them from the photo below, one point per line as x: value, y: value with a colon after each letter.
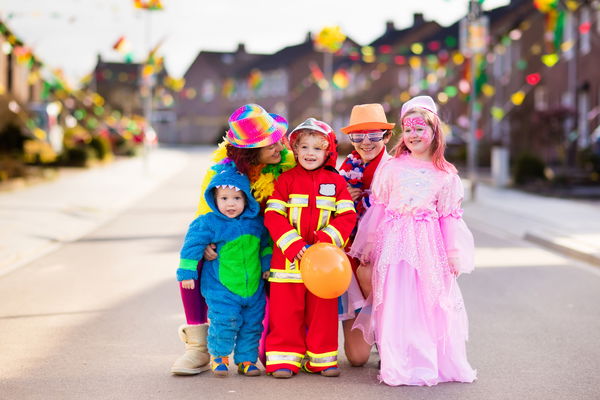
x: 221, y: 81
x: 120, y: 84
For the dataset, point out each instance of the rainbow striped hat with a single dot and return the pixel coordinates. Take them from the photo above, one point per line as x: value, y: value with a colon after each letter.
x: 252, y: 126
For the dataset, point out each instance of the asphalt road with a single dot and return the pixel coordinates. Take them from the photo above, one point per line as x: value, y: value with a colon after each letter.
x: 98, y: 318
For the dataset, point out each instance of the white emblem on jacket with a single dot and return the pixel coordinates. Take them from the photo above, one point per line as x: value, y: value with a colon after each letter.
x: 327, y: 189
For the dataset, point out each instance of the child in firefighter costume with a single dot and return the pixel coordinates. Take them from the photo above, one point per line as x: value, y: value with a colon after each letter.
x: 232, y: 284
x: 310, y: 204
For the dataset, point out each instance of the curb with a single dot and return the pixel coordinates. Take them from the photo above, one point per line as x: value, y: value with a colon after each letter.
x: 581, y: 254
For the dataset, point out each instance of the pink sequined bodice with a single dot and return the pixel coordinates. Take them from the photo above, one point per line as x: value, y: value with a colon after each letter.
x: 410, y: 186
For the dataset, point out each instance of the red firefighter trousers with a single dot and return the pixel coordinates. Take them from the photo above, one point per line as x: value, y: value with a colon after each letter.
x: 301, y: 323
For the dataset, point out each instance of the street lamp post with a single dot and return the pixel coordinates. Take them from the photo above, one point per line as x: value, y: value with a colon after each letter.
x: 147, y: 89
x: 329, y: 40
x: 327, y: 93
x: 475, y: 45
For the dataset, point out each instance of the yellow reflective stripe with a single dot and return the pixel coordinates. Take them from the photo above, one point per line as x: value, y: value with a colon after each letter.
x: 285, y: 276
x: 323, y: 219
x: 343, y: 206
x: 281, y: 357
x: 328, y: 354
x: 278, y: 206
x: 275, y: 210
x: 298, y: 200
x: 291, y: 266
x: 276, y: 201
x: 324, y: 364
x: 295, y: 213
x: 326, y: 203
x: 287, y: 239
x: 322, y: 359
x: 334, y: 234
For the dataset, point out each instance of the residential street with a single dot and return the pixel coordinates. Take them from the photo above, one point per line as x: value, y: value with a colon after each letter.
x: 97, y: 318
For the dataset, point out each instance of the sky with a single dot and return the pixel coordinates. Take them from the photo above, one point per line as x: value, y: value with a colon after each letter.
x: 69, y: 34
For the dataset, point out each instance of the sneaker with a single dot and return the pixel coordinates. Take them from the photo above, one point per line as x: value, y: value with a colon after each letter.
x: 331, y: 372
x: 248, y: 368
x: 282, y: 373
x: 220, y: 366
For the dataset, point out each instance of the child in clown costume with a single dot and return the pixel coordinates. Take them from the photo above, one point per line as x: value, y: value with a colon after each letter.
x: 310, y: 204
x: 233, y: 283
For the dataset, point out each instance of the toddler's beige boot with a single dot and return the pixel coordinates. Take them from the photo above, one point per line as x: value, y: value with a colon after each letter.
x: 196, y: 358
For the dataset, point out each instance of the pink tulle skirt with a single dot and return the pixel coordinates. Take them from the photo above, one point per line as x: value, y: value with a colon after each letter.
x: 419, y: 343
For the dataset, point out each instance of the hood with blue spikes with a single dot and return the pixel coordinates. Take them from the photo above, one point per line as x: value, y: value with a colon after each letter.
x: 227, y: 174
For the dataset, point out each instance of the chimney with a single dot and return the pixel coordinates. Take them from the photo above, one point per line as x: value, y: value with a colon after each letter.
x: 389, y: 26
x: 418, y: 19
x: 241, y: 48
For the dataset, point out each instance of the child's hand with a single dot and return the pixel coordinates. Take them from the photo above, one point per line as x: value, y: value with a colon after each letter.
x: 298, y: 257
x: 265, y: 275
x: 355, y: 193
x: 210, y: 253
x: 454, y: 264
x: 188, y: 284
x: 363, y: 275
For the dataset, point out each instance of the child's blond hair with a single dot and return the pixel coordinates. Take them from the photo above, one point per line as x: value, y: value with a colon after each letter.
x: 324, y: 143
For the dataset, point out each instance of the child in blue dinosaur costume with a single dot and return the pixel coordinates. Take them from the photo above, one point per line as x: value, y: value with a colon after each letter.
x: 233, y: 283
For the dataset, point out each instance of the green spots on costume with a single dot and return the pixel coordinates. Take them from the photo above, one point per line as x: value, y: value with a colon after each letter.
x: 239, y: 265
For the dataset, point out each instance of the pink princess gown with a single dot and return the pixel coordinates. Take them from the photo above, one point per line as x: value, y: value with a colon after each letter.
x: 415, y: 313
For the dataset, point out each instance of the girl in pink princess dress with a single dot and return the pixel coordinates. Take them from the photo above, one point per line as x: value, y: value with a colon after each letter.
x: 416, y: 244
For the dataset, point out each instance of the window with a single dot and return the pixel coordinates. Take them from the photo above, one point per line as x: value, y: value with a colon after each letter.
x: 582, y: 120
x: 403, y: 78
x: 540, y: 97
x: 569, y: 36
x: 585, y: 40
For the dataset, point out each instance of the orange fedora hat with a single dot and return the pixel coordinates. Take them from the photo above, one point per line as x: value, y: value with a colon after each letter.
x: 367, y: 116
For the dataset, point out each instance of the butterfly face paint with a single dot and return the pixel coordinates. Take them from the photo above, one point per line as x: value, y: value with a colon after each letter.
x: 417, y: 135
x: 416, y: 126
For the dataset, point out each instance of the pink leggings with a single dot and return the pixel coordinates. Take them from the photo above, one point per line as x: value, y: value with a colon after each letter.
x: 194, y: 304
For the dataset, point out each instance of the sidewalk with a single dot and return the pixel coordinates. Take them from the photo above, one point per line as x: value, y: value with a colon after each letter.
x: 571, y: 227
x: 40, y: 218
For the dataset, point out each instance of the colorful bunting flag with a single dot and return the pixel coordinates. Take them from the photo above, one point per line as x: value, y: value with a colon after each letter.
x: 318, y: 76
x: 255, y: 79
x: 330, y: 39
x: 341, y: 79
x: 228, y: 88
x: 152, y: 5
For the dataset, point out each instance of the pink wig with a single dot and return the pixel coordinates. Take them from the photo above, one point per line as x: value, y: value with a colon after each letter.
x: 438, y: 144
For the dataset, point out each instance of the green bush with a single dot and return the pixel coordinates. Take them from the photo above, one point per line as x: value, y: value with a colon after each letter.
x: 528, y: 168
x: 101, y: 146
x: 11, y: 167
x: 77, y: 156
x: 589, y: 160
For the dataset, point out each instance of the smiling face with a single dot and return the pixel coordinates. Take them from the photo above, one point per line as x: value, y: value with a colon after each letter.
x: 270, y: 154
x: 230, y: 202
x: 367, y: 148
x: 417, y: 135
x: 311, y: 150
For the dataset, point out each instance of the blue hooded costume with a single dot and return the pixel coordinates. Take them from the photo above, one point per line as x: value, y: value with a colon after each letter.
x: 232, y: 284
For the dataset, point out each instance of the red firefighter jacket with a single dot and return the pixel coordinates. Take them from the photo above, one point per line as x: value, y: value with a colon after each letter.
x: 306, y: 207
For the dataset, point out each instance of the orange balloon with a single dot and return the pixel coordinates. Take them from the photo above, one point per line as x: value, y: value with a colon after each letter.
x: 325, y: 270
